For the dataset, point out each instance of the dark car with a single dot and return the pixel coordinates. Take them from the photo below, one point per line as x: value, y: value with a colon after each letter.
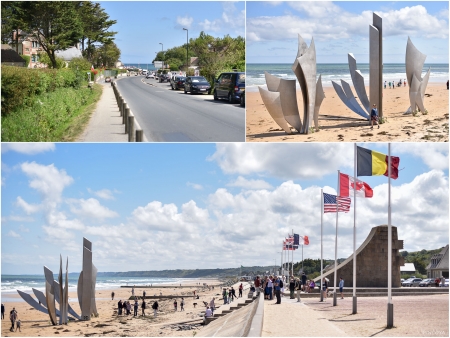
x: 163, y: 78
x: 177, y: 82
x: 196, y: 84
x: 427, y: 282
x: 229, y: 86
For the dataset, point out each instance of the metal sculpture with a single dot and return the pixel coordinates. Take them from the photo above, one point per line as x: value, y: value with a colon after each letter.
x: 69, y: 308
x: 414, y: 61
x: 375, y: 76
x: 50, y: 294
x: 280, y: 98
x: 86, y: 283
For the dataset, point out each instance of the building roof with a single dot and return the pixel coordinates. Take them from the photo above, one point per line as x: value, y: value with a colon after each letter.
x: 69, y: 53
x: 408, y: 267
x: 10, y: 55
x: 439, y: 261
x: 6, y: 46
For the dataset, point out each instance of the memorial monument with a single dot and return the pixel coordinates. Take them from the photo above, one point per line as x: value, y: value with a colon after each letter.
x: 280, y: 98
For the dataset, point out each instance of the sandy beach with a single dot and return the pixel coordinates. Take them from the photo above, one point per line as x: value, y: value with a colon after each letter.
x: 108, y: 323
x: 337, y: 123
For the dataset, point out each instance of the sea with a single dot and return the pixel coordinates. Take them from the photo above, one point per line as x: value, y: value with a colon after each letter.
x: 336, y: 72
x: 11, y: 283
x: 148, y: 66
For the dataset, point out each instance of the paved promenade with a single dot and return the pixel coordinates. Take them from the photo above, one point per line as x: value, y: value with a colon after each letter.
x: 105, y: 124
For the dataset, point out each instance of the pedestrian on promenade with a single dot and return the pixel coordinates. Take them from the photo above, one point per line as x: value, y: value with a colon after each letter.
x: 374, y: 116
x: 3, y: 311
x: 442, y: 281
x: 270, y: 287
x: 341, y: 287
x: 155, y: 308
x: 436, y: 281
x: 265, y: 287
x: 143, y: 306
x: 224, y: 295
x: 257, y: 284
x: 212, y: 305
x: 325, y: 287
x: 208, y: 312
x: 311, y: 286
x: 241, y: 287
x: 303, y: 281
x: 112, y: 295
x: 292, y: 288
x: 136, y: 307
x: 277, y: 285
x: 233, y: 292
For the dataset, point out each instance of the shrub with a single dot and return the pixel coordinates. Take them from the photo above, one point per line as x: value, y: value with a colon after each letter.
x: 81, y: 63
x: 27, y: 60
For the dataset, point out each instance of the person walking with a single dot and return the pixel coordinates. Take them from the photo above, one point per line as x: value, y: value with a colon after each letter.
x: 257, y: 284
x: 112, y: 295
x: 144, y: 293
x: 303, y: 281
x: 136, y: 307
x: 182, y: 304
x: 341, y: 287
x: 241, y: 287
x: 233, y: 292
x: 277, y: 285
x: 3, y: 311
x: 374, y: 116
x: 292, y: 288
x: 13, y: 317
x: 155, y: 308
x: 224, y: 295
x: 143, y: 306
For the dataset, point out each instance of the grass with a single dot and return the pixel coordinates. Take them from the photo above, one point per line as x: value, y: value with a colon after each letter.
x: 52, y: 117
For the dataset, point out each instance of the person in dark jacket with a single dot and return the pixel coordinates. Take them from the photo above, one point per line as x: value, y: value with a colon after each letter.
x: 291, y: 288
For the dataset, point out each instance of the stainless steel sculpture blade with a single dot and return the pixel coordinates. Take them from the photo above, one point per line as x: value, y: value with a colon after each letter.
x: 423, y: 86
x: 94, y: 280
x: 348, y: 92
x: 374, y: 70
x: 50, y: 294
x: 59, y: 287
x: 414, y: 61
x: 272, y: 102
x: 302, y: 46
x: 31, y: 301
x: 320, y: 95
x: 288, y: 98
x: 305, y: 69
x: 66, y: 291
x: 69, y: 308
x: 40, y: 296
x: 358, y: 82
x: 377, y: 22
x: 86, y: 293
x: 343, y: 97
x: 413, y: 92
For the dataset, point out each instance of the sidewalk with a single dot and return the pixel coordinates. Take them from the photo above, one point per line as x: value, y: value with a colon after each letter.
x: 105, y: 124
x: 293, y: 319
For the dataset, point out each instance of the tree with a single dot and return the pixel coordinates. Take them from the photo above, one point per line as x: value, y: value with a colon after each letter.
x: 95, y: 24
x: 13, y: 22
x: 55, y: 24
x: 106, y: 55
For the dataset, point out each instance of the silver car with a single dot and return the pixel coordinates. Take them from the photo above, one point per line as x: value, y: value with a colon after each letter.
x: 412, y: 282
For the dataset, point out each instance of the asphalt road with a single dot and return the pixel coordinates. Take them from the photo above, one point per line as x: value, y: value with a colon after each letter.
x: 167, y: 115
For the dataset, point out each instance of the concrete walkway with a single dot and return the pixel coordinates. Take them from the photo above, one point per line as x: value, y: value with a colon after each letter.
x: 293, y: 319
x: 105, y: 124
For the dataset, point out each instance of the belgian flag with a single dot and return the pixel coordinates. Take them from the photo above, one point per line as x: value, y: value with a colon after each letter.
x: 373, y: 163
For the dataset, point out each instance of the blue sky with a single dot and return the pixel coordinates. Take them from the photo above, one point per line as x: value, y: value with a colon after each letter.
x: 169, y: 206
x: 142, y: 25
x: 340, y: 28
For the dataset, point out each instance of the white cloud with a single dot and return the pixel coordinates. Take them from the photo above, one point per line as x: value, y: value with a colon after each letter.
x: 231, y: 19
x: 91, y: 209
x: 318, y: 19
x: 242, y: 182
x: 434, y: 155
x: 185, y: 21
x: 20, y: 218
x: 195, y: 186
x: 283, y: 160
x: 28, y: 148
x: 28, y: 208
x: 105, y: 194
x: 13, y: 234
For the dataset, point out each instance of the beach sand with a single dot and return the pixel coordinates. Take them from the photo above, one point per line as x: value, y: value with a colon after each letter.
x: 337, y: 123
x: 37, y: 324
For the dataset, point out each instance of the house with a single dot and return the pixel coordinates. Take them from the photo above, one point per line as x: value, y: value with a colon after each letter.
x: 29, y: 45
x: 68, y: 54
x: 11, y: 58
x: 438, y: 266
x: 408, y: 268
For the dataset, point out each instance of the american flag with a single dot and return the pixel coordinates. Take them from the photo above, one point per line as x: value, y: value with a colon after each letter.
x: 331, y: 202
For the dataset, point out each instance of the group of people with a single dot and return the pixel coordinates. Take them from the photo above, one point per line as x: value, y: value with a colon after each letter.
x: 392, y: 84
x: 124, y: 308
x: 175, y: 304
x: 230, y: 294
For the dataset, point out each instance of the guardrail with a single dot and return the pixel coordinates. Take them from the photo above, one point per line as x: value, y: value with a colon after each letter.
x: 132, y: 127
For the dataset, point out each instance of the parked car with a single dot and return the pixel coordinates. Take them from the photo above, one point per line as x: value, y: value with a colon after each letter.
x: 150, y: 76
x: 427, y: 282
x: 163, y: 78
x: 229, y: 86
x: 196, y: 84
x: 412, y: 282
x: 177, y: 82
x: 242, y: 103
x: 108, y: 79
x: 145, y: 72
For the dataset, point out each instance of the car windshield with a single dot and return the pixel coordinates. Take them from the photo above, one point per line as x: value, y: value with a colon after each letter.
x: 181, y: 78
x: 198, y: 79
x: 241, y: 79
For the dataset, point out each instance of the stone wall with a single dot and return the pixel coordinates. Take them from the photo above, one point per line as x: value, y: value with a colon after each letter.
x: 372, y: 261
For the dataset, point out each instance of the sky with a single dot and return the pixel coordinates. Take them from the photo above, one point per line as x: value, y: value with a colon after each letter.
x: 340, y: 28
x: 142, y: 25
x: 188, y: 206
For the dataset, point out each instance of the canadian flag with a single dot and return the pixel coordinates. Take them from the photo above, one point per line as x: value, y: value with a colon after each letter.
x: 347, y: 185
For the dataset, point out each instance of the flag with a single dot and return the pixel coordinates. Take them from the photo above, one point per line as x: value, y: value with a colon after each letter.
x: 290, y: 247
x: 296, y: 239
x: 330, y: 203
x: 347, y: 183
x: 373, y: 163
x: 304, y: 240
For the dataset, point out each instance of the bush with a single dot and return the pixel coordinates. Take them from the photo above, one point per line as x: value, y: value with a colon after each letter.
x: 81, y: 63
x: 27, y: 60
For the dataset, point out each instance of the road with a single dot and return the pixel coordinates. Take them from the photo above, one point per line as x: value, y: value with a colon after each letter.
x: 167, y: 115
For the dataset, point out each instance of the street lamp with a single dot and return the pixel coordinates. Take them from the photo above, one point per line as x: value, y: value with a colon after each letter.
x: 162, y: 51
x: 187, y: 48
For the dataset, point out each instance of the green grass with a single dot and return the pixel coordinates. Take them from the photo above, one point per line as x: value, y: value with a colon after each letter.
x: 52, y: 117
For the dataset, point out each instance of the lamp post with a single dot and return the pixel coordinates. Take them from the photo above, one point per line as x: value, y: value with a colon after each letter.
x: 187, y: 48
x: 162, y: 51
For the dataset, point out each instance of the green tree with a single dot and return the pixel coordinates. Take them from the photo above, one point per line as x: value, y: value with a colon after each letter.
x: 80, y: 64
x: 106, y: 55
x: 13, y: 22
x: 55, y: 24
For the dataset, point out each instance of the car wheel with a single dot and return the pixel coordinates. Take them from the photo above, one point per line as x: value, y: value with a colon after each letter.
x: 242, y: 103
x: 230, y: 98
x: 185, y: 90
x: 191, y: 92
x: 216, y: 98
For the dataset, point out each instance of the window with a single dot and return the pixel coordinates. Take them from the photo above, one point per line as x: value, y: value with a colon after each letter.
x: 35, y: 44
x: 33, y: 58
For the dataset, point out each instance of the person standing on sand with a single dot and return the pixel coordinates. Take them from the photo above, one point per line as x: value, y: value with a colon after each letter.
x: 128, y: 308
x: 112, y: 295
x: 384, y: 84
x: 13, y: 317
x: 341, y: 287
x: 404, y: 83
x: 119, y: 308
x: 155, y: 308
x: 3, y: 311
x: 175, y: 305
x: 277, y: 285
x: 143, y: 306
x: 132, y: 291
x: 447, y: 84
x: 144, y: 293
x: 374, y: 116
x: 389, y: 84
x: 182, y: 304
x: 136, y: 306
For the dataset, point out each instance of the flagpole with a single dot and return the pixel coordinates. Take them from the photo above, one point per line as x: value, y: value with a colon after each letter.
x: 302, y: 257
x: 390, y: 309
x: 321, y: 244
x: 354, y: 232
x: 335, y: 241
x: 282, y: 262
x: 292, y: 253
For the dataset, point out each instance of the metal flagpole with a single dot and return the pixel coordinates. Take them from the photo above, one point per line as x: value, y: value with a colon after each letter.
x: 335, y: 241
x: 321, y: 244
x: 390, y: 309
x: 282, y: 263
x: 302, y: 257
x: 354, y: 232
x: 292, y: 274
